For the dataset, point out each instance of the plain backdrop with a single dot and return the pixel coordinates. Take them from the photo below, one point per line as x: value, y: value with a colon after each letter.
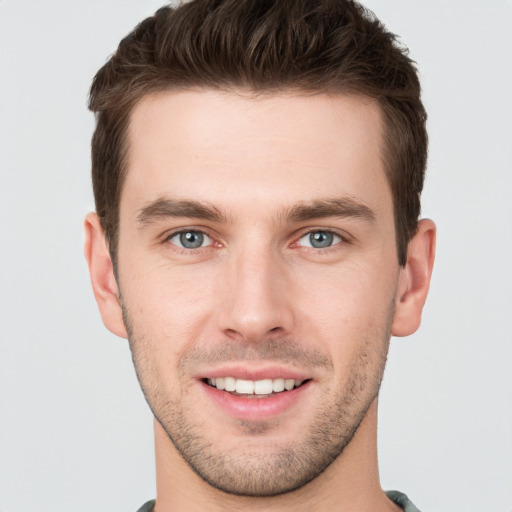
x: 75, y: 432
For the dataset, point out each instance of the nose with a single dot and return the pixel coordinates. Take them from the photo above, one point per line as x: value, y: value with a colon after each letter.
x: 256, y: 299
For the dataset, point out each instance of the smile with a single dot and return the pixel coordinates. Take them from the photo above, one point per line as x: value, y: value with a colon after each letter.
x: 264, y: 387
x: 255, y: 393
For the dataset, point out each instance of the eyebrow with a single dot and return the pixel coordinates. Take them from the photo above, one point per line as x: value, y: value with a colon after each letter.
x: 321, y: 208
x: 163, y: 208
x: 339, y: 207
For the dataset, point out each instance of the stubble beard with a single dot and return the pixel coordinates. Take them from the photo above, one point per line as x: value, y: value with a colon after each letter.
x: 246, y: 470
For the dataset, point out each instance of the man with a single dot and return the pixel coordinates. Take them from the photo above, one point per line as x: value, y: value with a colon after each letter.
x: 257, y: 168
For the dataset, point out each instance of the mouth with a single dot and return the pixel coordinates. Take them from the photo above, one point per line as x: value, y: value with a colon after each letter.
x: 256, y: 400
x: 264, y: 388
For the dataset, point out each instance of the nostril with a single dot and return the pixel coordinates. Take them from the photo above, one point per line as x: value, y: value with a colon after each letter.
x: 232, y: 333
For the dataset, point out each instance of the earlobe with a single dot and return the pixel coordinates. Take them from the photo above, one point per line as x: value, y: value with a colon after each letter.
x: 103, y: 280
x: 414, y: 280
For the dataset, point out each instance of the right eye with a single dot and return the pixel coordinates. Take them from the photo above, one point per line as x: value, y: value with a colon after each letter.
x: 190, y: 239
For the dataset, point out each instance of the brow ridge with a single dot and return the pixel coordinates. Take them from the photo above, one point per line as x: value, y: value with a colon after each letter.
x: 164, y: 207
x: 344, y: 207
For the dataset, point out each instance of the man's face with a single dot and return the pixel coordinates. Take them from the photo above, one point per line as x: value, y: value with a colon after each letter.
x: 257, y: 254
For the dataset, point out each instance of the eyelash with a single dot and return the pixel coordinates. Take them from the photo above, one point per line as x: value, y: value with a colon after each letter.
x: 342, y: 239
x: 186, y: 250
x: 335, y: 235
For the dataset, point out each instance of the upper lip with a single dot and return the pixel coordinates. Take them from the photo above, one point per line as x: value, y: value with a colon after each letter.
x: 247, y: 372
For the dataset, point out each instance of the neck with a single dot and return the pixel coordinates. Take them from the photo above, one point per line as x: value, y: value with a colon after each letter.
x: 350, y: 483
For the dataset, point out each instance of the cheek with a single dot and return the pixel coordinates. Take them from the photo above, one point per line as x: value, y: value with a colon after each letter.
x: 167, y: 306
x: 355, y: 290
x: 165, y: 323
x: 346, y: 306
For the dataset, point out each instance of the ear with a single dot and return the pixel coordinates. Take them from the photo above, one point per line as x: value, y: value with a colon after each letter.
x: 414, y: 280
x: 103, y: 280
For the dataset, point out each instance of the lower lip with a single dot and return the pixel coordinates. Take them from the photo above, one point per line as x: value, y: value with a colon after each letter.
x: 255, y: 409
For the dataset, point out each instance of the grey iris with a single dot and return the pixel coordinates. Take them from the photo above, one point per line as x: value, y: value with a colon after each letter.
x: 191, y: 239
x: 321, y: 239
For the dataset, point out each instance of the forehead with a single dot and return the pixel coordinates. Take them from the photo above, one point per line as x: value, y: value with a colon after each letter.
x: 212, y: 145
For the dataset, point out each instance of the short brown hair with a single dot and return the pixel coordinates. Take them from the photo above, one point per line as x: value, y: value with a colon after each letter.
x: 265, y: 46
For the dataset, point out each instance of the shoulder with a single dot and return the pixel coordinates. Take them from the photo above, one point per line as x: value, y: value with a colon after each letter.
x: 147, y: 507
x: 402, y: 500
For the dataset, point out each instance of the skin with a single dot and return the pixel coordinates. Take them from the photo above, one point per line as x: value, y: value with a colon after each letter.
x: 256, y: 176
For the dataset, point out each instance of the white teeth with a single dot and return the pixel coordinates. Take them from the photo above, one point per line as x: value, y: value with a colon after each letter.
x: 263, y: 387
x: 254, y: 387
x: 245, y: 387
x: 278, y: 385
x: 288, y: 384
x: 229, y: 383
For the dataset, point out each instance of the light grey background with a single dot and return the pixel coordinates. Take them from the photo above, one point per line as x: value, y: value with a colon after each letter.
x: 75, y: 432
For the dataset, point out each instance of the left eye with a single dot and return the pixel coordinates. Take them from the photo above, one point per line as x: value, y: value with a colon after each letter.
x: 190, y: 239
x: 320, y: 239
